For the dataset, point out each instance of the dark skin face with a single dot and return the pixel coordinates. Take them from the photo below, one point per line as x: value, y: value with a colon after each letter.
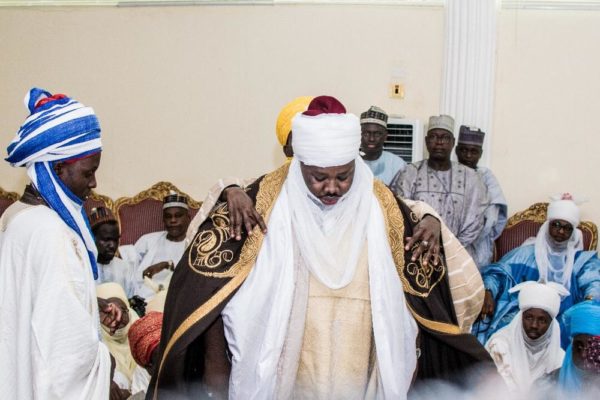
x: 287, y: 148
x: 176, y: 220
x: 439, y: 144
x: 580, y: 345
x: 371, y: 141
x: 328, y: 184
x: 468, y: 154
x: 536, y: 322
x: 80, y: 176
x: 107, y: 241
x: 560, y: 230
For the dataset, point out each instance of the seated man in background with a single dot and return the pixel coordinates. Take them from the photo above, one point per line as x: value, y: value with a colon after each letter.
x: 159, y: 252
x: 456, y: 192
x: 529, y: 347
x: 556, y: 256
x: 105, y: 229
x: 384, y: 164
x: 468, y: 152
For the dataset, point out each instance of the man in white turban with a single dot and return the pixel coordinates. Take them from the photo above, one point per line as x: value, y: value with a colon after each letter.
x: 317, y: 307
x: 529, y: 347
x: 49, y: 313
x: 556, y: 255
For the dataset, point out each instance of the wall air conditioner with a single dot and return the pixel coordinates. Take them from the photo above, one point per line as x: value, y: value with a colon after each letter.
x: 405, y: 138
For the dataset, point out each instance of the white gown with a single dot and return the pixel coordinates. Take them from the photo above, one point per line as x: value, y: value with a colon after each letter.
x: 49, y: 335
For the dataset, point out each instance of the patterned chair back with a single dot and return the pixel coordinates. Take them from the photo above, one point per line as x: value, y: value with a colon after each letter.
x: 527, y: 223
x: 6, y: 199
x: 98, y: 200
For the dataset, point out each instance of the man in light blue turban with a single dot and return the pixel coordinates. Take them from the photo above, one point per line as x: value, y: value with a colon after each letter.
x: 49, y: 337
x: 580, y: 371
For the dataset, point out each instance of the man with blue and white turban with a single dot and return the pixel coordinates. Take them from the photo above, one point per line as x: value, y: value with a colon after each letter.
x: 49, y: 335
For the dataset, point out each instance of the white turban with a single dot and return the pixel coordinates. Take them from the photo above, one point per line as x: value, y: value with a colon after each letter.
x: 564, y: 209
x: 328, y: 139
x: 545, y: 296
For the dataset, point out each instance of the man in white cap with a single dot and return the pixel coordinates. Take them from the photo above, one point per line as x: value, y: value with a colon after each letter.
x: 456, y: 192
x: 468, y: 151
x: 384, y: 164
x: 49, y: 313
x: 159, y: 252
x: 556, y: 255
x: 324, y: 305
x: 529, y: 347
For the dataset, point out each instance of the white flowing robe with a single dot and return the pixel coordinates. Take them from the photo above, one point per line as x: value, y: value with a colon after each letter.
x: 50, y: 342
x: 121, y: 272
x: 151, y: 249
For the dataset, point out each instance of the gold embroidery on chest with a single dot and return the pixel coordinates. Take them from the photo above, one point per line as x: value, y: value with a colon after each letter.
x: 206, y: 251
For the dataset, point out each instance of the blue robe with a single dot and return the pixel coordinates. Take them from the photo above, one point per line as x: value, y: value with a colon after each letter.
x: 386, y: 166
x: 519, y: 266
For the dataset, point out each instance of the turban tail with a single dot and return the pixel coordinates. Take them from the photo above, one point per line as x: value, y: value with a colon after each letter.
x: 582, y: 318
x: 58, y: 129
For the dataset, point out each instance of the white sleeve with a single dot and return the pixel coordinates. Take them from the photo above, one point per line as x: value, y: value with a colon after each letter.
x: 70, y: 361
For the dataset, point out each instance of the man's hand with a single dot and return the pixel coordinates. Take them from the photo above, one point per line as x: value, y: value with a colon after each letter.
x: 111, y: 315
x: 427, y: 235
x: 242, y: 213
x: 116, y: 393
x: 156, y: 268
x: 489, y: 306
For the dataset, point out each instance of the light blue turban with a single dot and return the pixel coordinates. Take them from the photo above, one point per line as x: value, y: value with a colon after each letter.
x: 582, y: 318
x: 58, y: 129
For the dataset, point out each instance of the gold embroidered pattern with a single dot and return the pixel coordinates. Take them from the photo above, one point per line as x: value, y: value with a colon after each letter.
x: 421, y: 275
x: 268, y: 192
x: 205, y: 251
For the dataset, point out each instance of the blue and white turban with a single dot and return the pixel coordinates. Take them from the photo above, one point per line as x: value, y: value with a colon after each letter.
x: 58, y: 129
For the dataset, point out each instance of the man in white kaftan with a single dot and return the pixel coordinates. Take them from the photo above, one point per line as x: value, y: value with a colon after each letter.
x: 159, y: 252
x: 529, y: 347
x: 105, y: 228
x: 49, y: 331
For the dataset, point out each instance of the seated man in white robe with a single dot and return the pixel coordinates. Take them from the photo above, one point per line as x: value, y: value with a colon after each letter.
x: 49, y: 331
x: 384, y: 164
x: 105, y: 229
x: 529, y: 347
x: 159, y: 252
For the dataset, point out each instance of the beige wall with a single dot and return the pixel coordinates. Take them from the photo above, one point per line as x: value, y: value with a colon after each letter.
x: 191, y: 94
x: 546, y: 135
